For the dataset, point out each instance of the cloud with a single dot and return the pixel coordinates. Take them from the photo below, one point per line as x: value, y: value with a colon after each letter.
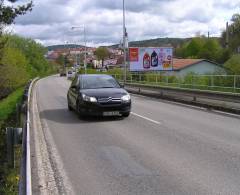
x: 51, y: 20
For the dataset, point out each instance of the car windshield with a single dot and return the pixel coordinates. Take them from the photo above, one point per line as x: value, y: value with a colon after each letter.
x: 99, y: 81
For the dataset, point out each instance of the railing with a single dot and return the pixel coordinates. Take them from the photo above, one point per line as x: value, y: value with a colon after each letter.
x: 25, y: 186
x: 221, y: 83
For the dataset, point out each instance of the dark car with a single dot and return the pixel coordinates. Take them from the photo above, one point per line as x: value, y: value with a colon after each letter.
x: 98, y: 94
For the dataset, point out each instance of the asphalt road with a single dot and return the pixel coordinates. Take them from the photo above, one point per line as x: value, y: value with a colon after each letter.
x: 162, y: 148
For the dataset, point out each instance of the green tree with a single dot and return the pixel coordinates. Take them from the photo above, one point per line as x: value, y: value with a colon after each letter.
x: 61, y: 60
x: 233, y: 64
x: 210, y: 49
x: 234, y: 34
x: 193, y: 48
x: 34, y: 52
x: 8, y: 14
x: 101, y: 54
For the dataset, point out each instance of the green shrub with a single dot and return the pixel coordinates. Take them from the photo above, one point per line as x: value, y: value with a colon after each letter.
x: 8, y: 105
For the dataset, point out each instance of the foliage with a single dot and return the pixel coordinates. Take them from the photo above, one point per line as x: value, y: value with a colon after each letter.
x: 194, y: 47
x: 13, y: 72
x: 101, y: 53
x: 23, y: 59
x: 210, y: 49
x: 8, y: 105
x: 61, y: 60
x: 34, y: 53
x: 233, y: 64
x: 234, y: 34
x: 205, y: 48
x: 8, y: 13
x: 159, y: 42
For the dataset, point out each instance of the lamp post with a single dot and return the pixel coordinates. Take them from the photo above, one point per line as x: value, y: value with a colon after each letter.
x: 85, y: 45
x: 124, y: 44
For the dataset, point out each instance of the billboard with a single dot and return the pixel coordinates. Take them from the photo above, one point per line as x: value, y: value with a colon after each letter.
x: 150, y: 59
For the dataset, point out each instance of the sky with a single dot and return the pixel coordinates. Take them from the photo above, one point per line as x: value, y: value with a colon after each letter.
x: 51, y: 21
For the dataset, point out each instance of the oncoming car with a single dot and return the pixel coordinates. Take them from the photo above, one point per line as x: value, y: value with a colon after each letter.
x: 99, y: 95
x: 70, y: 74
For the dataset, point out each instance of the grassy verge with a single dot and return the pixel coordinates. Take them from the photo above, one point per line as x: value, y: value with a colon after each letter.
x: 9, y: 177
x: 8, y: 105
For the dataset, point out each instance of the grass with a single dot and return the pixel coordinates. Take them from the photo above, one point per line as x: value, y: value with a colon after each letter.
x: 8, y: 104
x: 9, y: 177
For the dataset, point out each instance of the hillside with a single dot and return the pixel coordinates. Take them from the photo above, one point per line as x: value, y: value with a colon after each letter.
x: 54, y: 47
x: 159, y: 42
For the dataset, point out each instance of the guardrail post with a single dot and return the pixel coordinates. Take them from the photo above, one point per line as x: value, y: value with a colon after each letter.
x: 234, y: 83
x: 212, y: 81
x: 14, y: 136
x: 10, y: 149
x: 193, y: 86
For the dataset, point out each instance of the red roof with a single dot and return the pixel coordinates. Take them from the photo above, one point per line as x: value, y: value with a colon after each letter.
x: 182, y: 63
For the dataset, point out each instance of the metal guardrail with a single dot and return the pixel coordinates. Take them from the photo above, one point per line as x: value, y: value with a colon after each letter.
x: 25, y: 186
x: 224, y: 101
x: 221, y: 83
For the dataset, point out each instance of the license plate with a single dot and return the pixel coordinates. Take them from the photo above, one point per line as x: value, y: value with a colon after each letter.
x: 114, y: 113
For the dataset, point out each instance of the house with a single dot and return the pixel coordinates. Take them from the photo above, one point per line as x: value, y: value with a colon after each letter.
x: 182, y: 67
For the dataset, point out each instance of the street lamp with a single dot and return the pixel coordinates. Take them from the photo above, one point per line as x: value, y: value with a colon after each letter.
x: 85, y: 53
x: 124, y: 44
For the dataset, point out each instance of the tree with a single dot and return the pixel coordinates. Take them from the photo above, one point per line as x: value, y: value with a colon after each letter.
x: 34, y: 52
x: 233, y: 64
x: 194, y: 47
x: 8, y: 14
x: 234, y: 34
x: 210, y: 49
x: 101, y: 54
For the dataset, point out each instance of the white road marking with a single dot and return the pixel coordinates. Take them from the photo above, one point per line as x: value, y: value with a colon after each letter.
x: 226, y: 113
x: 146, y: 118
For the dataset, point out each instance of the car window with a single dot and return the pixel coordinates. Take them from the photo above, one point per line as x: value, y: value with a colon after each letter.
x: 96, y: 82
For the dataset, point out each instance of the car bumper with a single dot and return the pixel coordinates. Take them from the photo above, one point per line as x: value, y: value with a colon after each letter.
x: 96, y: 109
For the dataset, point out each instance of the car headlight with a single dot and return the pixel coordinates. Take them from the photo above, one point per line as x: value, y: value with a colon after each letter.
x: 88, y: 98
x: 126, y: 98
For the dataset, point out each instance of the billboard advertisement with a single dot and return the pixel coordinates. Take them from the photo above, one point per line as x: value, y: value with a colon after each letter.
x: 150, y: 59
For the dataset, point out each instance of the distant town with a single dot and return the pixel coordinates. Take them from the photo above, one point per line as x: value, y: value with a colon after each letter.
x: 75, y: 57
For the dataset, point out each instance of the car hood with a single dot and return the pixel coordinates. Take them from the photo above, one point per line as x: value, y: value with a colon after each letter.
x: 104, y: 92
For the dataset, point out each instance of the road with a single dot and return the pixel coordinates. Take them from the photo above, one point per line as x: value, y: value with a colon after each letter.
x: 162, y: 148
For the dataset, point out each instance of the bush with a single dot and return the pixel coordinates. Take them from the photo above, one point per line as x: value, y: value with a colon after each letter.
x: 233, y: 64
x: 8, y: 105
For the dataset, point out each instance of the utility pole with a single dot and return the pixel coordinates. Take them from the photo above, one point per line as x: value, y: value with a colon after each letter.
x: 85, y: 53
x: 227, y: 36
x: 85, y: 43
x: 124, y: 44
